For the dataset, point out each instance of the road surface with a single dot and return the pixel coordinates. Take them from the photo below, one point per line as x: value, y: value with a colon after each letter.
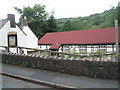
x: 59, y: 78
x: 8, y: 82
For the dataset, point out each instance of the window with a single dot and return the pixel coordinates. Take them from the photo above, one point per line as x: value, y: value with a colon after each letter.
x: 102, y: 46
x: 12, y: 39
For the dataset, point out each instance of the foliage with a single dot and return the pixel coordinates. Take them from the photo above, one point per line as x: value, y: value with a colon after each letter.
x: 39, y: 20
x: 117, y: 56
x: 52, y: 24
x: 98, y: 20
x: 43, y: 54
x: 63, y: 56
x: 67, y: 26
x: 72, y: 50
x: 95, y: 52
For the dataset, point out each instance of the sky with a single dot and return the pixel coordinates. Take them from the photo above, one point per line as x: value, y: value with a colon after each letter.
x: 61, y: 8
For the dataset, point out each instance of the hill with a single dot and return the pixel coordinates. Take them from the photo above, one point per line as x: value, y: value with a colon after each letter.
x: 98, y: 20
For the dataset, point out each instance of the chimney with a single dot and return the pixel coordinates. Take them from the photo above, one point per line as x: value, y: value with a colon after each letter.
x: 24, y: 22
x: 11, y: 17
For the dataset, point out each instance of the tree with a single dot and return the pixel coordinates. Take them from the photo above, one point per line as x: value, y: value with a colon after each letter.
x: 67, y: 26
x: 98, y: 20
x: 39, y: 20
x: 52, y: 25
x: 118, y: 13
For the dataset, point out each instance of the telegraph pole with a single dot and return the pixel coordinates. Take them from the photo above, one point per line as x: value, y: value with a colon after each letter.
x: 116, y: 38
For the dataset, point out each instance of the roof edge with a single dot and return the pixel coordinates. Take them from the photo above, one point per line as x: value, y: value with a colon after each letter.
x: 85, y: 44
x: 4, y: 21
x: 82, y: 30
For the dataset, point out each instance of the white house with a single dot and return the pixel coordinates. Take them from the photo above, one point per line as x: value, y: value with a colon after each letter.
x: 13, y: 35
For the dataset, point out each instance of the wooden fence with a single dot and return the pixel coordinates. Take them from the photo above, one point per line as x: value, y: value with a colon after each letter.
x: 109, y: 56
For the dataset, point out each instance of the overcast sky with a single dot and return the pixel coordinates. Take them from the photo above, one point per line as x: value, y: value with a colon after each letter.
x: 62, y: 8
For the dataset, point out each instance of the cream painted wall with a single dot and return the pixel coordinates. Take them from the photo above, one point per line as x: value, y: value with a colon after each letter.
x: 29, y: 40
x: 43, y: 47
x: 66, y: 49
x: 3, y: 34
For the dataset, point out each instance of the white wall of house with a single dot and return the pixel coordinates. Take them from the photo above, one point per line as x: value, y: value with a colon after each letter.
x: 28, y: 40
x: 3, y: 34
x: 44, y: 47
x: 31, y: 39
x: 81, y: 48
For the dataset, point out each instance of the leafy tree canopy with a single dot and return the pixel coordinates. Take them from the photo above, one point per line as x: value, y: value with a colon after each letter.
x: 39, y: 20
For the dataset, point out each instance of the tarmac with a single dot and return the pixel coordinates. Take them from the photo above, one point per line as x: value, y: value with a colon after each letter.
x: 56, y: 80
x: 8, y: 82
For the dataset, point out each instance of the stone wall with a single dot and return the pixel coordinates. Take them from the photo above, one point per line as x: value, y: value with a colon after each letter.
x: 94, y: 69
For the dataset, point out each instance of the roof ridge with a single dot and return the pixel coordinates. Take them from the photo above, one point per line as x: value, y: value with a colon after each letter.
x: 3, y: 19
x: 79, y: 30
x: 3, y: 22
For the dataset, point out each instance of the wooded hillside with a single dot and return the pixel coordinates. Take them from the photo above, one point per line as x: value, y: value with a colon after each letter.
x: 98, y: 20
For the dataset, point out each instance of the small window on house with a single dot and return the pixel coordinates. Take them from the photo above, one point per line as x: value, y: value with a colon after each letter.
x: 82, y: 46
x: 102, y: 46
x: 109, y: 46
x: 12, y: 39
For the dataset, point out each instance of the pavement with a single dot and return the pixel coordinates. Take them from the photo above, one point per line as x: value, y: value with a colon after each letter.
x: 59, y: 78
x: 8, y: 82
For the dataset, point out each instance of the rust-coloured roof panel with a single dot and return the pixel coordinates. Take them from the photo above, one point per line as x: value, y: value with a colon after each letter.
x: 91, y: 36
x: 55, y: 46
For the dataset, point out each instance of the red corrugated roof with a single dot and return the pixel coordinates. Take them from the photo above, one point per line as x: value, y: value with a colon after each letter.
x: 55, y: 46
x: 91, y: 36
